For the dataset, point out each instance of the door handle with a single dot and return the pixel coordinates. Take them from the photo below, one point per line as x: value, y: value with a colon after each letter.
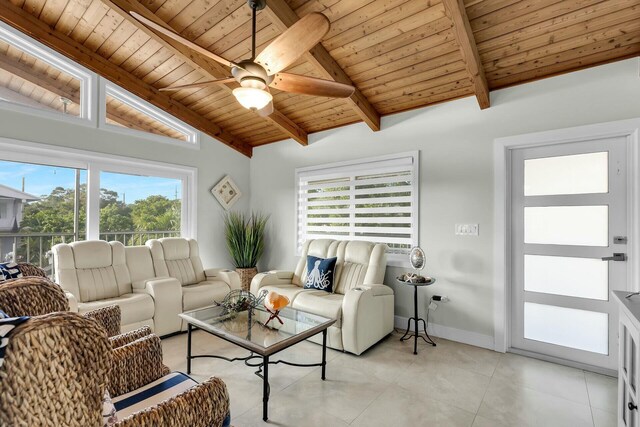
x: 618, y: 256
x: 631, y: 406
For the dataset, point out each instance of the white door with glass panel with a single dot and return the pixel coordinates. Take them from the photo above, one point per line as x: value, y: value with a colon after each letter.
x: 569, y: 228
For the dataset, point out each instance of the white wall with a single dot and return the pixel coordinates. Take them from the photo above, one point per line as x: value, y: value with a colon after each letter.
x: 455, y: 140
x: 213, y: 160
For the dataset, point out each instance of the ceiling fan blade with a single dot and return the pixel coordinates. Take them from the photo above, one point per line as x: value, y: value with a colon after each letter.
x: 267, y: 110
x: 198, y: 85
x: 172, y: 34
x: 311, y: 86
x: 293, y: 43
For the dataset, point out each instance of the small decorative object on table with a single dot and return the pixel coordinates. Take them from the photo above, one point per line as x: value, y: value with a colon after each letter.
x: 239, y: 300
x: 274, y: 302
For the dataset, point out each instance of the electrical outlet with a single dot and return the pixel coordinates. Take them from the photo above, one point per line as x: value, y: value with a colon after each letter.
x: 433, y: 306
x: 467, y: 229
x: 444, y: 298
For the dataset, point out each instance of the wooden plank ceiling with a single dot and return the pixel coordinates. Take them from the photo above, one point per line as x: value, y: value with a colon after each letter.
x: 399, y: 54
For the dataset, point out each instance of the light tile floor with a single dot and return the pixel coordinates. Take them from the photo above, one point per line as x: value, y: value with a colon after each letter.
x: 452, y: 384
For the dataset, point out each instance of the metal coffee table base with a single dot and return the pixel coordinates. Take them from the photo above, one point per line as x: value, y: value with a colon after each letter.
x: 416, y: 320
x: 260, y: 362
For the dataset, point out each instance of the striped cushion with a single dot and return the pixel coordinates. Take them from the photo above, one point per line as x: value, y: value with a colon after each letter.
x: 152, y: 394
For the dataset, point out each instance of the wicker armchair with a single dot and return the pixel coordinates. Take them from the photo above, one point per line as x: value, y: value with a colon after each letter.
x: 35, y: 296
x: 28, y: 269
x: 62, y: 379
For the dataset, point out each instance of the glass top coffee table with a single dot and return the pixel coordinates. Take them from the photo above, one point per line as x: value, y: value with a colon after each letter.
x: 246, y: 329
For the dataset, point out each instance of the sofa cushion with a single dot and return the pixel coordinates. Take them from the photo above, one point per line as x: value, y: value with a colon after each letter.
x: 134, y: 308
x: 182, y: 269
x: 351, y: 276
x: 321, y: 303
x: 97, y: 284
x: 92, y: 254
x: 320, y: 273
x: 139, y: 263
x: 203, y: 294
x: 158, y: 391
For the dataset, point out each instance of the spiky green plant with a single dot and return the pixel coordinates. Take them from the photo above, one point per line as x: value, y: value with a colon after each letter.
x: 245, y: 237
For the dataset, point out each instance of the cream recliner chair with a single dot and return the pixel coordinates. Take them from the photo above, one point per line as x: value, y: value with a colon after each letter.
x: 180, y: 258
x: 94, y: 274
x: 360, y: 303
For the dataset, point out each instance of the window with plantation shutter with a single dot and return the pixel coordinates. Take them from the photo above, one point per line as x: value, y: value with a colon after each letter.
x: 373, y: 200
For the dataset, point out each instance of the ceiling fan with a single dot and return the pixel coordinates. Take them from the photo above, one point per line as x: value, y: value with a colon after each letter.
x: 256, y: 74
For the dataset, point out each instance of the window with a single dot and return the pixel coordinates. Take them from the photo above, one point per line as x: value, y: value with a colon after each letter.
x: 373, y: 200
x: 35, y: 78
x: 41, y: 206
x: 136, y: 208
x: 124, y: 111
x: 52, y: 195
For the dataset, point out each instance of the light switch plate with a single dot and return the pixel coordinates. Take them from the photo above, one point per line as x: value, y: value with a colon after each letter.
x: 467, y: 229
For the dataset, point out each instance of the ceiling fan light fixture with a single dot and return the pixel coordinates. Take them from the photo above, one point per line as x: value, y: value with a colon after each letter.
x: 252, y: 98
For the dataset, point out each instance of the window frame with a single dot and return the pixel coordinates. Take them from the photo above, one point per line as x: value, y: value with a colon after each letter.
x: 88, y: 110
x: 30, y: 152
x: 93, y: 91
x: 108, y: 89
x: 397, y: 260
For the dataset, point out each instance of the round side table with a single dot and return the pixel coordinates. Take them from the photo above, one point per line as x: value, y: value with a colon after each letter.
x: 415, y: 334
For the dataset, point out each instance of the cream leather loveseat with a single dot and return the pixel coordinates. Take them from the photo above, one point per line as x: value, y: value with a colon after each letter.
x: 96, y: 274
x: 360, y: 303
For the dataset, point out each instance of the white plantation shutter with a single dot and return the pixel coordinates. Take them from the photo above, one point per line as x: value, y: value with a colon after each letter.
x: 373, y: 200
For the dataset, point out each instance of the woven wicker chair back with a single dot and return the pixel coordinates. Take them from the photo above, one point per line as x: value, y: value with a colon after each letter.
x: 55, y: 372
x: 31, y: 296
x: 28, y: 269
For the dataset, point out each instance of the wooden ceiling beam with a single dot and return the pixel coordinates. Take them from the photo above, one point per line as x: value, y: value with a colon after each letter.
x: 207, y: 67
x: 283, y: 17
x: 33, y: 27
x: 464, y: 35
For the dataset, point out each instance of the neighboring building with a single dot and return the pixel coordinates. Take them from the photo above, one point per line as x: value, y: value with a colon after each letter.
x: 11, y: 207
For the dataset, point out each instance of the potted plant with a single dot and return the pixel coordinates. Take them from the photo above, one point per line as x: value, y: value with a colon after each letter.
x: 245, y: 241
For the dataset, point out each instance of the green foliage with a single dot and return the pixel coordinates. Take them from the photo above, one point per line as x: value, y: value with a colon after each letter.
x: 245, y: 237
x: 54, y: 213
x: 156, y: 213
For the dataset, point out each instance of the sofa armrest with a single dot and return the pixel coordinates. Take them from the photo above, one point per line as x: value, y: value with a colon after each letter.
x: 167, y: 299
x: 108, y: 317
x: 377, y: 290
x: 273, y: 277
x: 203, y: 405
x: 367, y: 316
x: 136, y: 364
x: 230, y: 277
x: 73, y: 302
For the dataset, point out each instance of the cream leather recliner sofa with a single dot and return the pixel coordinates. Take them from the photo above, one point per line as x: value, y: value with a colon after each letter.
x: 360, y: 303
x: 96, y: 273
x: 180, y: 258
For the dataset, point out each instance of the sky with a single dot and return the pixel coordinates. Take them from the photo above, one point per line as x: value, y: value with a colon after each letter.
x: 40, y: 180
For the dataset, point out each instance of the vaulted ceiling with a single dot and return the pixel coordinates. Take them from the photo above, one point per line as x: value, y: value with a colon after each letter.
x: 399, y: 54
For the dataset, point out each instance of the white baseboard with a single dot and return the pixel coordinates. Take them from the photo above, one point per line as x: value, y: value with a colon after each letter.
x: 453, y: 334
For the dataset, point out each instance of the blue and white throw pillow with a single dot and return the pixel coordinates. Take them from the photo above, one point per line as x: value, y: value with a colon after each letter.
x: 9, y: 270
x: 7, y: 325
x: 320, y: 273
